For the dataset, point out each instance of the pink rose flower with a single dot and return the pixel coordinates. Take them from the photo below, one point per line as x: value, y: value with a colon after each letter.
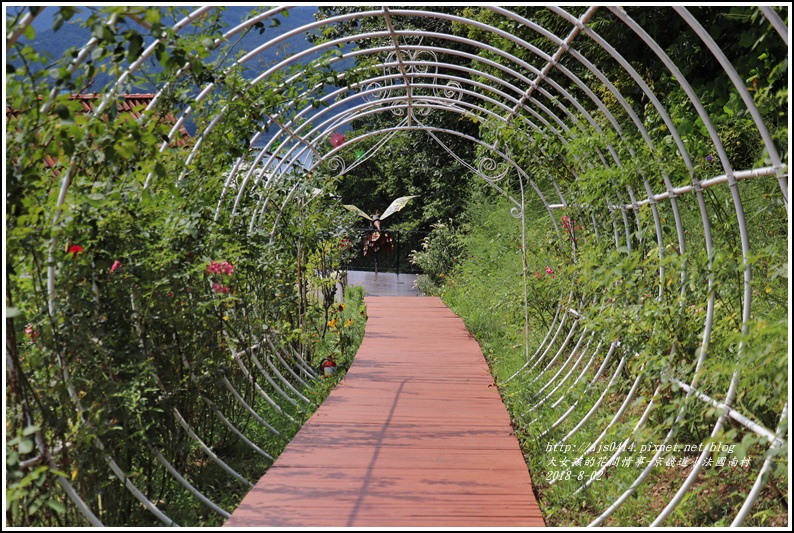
x: 31, y: 333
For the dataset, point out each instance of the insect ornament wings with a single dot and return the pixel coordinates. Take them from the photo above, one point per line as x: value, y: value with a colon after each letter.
x: 357, y: 211
x: 396, y: 205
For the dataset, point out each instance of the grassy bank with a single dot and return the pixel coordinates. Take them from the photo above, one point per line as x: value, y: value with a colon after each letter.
x: 580, y: 389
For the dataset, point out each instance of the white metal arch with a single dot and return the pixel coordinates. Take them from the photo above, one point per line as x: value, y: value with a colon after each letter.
x: 559, y: 113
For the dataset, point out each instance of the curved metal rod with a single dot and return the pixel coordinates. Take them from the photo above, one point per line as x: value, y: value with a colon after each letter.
x: 226, y: 422
x: 137, y: 493
x: 208, y: 451
x: 749, y: 103
x: 97, y: 115
x: 600, y: 399
x: 777, y: 23
x: 765, y: 468
x: 332, y: 153
x: 589, y: 386
x: 216, y: 410
x: 333, y: 95
x: 559, y: 352
x: 63, y: 482
x: 582, y: 354
x: 551, y: 343
x: 623, y: 445
x: 626, y: 401
x: 248, y: 408
x: 21, y: 26
x: 270, y: 380
x: 286, y: 365
x: 303, y: 366
x: 285, y: 381
x: 262, y: 392
x: 193, y: 490
x: 737, y: 204
x: 540, y: 346
x: 441, y: 35
x: 250, y: 351
x: 580, y: 376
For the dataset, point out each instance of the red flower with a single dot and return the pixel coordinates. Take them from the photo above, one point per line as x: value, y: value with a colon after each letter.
x: 217, y: 287
x: 218, y: 267
x: 115, y: 266
x: 74, y: 250
x: 31, y: 333
x: 337, y: 139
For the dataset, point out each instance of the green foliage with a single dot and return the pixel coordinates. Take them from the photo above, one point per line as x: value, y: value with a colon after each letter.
x: 440, y: 252
x: 137, y: 311
x: 109, y: 256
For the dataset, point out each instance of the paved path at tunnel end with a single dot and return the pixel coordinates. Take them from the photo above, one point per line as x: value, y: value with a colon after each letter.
x: 415, y: 435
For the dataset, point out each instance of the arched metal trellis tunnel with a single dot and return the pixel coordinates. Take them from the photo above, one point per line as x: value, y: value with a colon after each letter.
x: 561, y: 99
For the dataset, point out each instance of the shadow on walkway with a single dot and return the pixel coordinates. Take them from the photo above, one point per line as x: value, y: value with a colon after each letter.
x: 415, y: 435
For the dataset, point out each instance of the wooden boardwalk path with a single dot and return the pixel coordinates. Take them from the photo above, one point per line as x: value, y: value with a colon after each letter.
x: 416, y: 434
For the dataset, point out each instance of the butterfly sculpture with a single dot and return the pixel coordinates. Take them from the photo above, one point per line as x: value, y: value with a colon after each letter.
x: 379, y: 240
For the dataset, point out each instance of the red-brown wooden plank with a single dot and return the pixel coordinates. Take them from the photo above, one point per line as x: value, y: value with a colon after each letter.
x: 415, y: 435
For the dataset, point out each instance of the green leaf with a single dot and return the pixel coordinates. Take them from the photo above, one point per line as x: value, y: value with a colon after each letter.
x: 135, y: 48
x: 56, y: 506
x: 12, y: 312
x: 63, y: 112
x: 30, y: 430
x: 29, y: 33
x: 26, y: 446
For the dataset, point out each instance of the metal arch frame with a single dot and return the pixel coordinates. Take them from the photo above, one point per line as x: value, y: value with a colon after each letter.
x: 335, y: 121
x: 50, y: 287
x: 436, y: 35
x: 612, y: 120
x: 679, y: 225
x: 361, y: 37
x: 729, y: 177
x: 522, y: 177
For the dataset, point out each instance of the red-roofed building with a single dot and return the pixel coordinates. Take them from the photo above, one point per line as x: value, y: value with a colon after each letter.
x: 132, y: 104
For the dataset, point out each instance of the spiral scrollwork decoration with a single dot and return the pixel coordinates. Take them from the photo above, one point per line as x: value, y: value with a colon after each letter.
x: 452, y: 93
x: 490, y: 169
x: 422, y: 58
x: 337, y: 165
x: 374, y: 96
x: 422, y: 111
x: 396, y: 110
